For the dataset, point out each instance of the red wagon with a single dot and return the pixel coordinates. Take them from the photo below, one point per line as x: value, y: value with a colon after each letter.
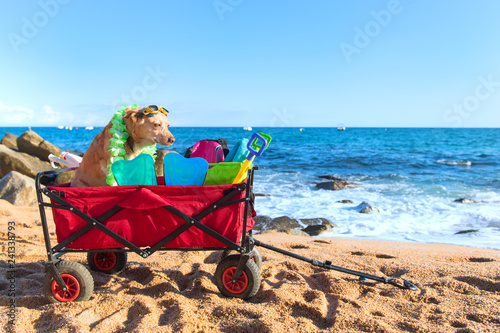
x: 109, y: 222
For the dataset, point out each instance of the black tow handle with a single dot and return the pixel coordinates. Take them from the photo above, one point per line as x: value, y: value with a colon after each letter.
x: 328, y: 265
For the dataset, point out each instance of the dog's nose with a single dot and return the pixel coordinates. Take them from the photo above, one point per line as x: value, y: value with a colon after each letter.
x: 171, y: 140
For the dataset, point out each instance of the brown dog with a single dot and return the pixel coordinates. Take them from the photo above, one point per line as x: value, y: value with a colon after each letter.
x: 143, y: 131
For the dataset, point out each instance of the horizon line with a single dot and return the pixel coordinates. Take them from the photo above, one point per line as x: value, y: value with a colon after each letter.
x: 297, y: 127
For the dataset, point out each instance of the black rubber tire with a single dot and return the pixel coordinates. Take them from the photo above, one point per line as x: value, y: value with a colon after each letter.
x: 71, y: 272
x: 249, y: 283
x: 257, y: 257
x: 97, y: 259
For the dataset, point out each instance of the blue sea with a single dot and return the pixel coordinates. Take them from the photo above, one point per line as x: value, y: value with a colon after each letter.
x: 413, y: 175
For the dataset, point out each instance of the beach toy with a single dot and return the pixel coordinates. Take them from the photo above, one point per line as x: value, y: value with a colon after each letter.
x: 69, y: 160
x: 181, y: 171
x: 256, y: 144
x: 239, y: 152
x: 222, y: 173
x: 251, y: 146
x: 139, y: 171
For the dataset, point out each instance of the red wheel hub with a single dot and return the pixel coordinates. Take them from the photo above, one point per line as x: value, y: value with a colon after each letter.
x: 240, y: 285
x: 105, y: 261
x: 73, y: 289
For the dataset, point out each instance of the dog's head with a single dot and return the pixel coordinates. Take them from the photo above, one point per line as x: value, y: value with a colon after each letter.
x: 147, y: 128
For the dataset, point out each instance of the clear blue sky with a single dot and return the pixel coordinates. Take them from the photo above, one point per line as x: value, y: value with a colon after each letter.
x: 252, y: 62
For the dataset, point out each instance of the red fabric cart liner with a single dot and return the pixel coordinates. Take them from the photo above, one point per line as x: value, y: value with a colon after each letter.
x: 143, y: 221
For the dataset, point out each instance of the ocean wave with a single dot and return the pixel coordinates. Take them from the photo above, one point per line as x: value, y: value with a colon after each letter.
x: 453, y: 162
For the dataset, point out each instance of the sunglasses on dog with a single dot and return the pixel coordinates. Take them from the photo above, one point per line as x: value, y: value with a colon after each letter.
x: 151, y: 110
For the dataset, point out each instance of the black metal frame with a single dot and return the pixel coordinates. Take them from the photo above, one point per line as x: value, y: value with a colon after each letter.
x: 245, y: 247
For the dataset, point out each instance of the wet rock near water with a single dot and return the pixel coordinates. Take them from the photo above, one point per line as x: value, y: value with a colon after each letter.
x: 31, y: 143
x: 345, y: 201
x: 294, y: 232
x: 366, y: 208
x: 280, y: 223
x: 315, y: 230
x: 314, y: 226
x: 469, y: 231
x: 335, y: 185
x: 465, y: 201
x: 18, y: 189
x: 331, y: 177
x: 9, y: 140
x: 261, y: 222
x: 318, y: 221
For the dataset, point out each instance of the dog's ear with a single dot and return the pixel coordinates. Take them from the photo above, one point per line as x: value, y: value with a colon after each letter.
x: 132, y: 115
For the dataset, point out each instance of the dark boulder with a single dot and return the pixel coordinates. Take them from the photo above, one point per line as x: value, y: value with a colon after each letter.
x: 295, y: 232
x: 31, y: 143
x: 318, y: 221
x: 315, y: 230
x: 468, y: 231
x: 333, y: 185
x: 278, y: 223
x: 345, y: 201
x: 261, y: 222
x: 282, y: 222
x: 18, y: 189
x: 28, y: 165
x: 465, y: 201
x: 9, y: 140
x: 330, y: 177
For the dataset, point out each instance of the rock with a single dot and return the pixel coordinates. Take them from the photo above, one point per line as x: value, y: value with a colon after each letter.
x: 9, y: 140
x: 31, y: 143
x: 345, y: 201
x: 466, y: 231
x: 318, y: 221
x: 278, y: 223
x: 335, y: 185
x: 282, y: 222
x: 18, y: 189
x: 330, y: 177
x: 315, y: 230
x: 65, y: 177
x: 261, y: 222
x: 366, y: 208
x: 23, y: 163
x: 465, y: 201
x: 295, y: 232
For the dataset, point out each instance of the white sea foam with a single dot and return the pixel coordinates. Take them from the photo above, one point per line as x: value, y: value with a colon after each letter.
x: 452, y: 162
x: 407, y: 211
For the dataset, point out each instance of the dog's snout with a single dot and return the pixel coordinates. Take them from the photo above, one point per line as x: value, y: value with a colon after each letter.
x: 171, y: 140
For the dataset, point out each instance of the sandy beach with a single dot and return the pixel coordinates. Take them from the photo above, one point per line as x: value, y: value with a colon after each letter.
x: 459, y: 289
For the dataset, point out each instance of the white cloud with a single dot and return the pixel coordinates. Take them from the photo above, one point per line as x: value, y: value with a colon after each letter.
x: 22, y: 116
x: 15, y: 115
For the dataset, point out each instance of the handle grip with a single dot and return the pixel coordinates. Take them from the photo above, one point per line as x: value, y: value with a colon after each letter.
x: 252, y: 143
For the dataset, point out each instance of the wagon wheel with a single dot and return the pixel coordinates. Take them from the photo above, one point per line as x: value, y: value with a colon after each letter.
x: 107, y: 262
x: 257, y: 257
x: 247, y: 285
x: 78, y: 280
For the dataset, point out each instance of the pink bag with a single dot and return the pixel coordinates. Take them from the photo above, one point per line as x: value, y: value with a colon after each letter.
x: 209, y: 150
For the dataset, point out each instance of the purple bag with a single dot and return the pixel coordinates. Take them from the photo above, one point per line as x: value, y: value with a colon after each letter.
x: 209, y: 150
